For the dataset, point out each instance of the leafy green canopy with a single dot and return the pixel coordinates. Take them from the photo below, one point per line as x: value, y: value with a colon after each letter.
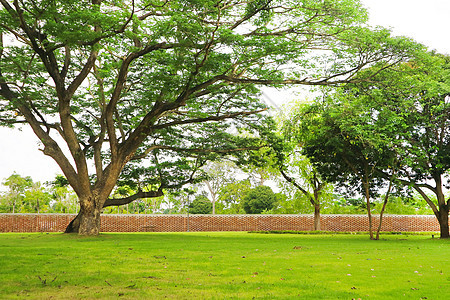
x: 342, y: 140
x: 151, y: 90
x: 393, y: 128
x: 259, y: 199
x: 200, y: 205
x: 413, y: 100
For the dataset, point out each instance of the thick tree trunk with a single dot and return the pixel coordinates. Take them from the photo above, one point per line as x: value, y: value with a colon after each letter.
x: 317, y: 217
x: 443, y: 222
x: 87, y: 222
x: 74, y: 225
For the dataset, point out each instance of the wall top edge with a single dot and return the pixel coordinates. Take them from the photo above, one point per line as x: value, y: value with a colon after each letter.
x: 217, y: 215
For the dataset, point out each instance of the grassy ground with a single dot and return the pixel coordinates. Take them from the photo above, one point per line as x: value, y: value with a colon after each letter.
x: 223, y: 266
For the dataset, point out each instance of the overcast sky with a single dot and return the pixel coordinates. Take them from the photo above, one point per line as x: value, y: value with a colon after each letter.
x: 427, y: 22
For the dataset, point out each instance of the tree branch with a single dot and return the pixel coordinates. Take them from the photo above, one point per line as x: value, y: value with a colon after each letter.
x: 299, y: 187
x: 192, y: 150
x: 207, y: 119
x: 129, y: 199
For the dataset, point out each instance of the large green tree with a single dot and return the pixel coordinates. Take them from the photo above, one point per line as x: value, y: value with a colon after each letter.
x: 340, y: 138
x: 148, y: 89
x: 393, y: 129
x: 415, y: 99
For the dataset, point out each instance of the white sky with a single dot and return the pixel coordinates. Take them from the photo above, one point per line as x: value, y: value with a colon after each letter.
x: 426, y: 21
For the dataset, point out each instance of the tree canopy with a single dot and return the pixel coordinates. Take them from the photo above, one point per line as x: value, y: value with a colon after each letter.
x: 394, y: 128
x: 149, y: 91
x: 258, y: 200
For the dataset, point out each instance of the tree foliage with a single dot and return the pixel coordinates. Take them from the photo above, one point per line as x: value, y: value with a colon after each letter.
x: 201, y: 205
x: 258, y: 200
x: 394, y: 128
x: 147, y: 91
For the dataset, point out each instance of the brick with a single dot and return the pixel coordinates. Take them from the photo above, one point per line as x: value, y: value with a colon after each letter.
x: 180, y: 223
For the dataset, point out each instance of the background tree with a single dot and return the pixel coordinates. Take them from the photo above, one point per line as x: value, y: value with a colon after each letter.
x: 232, y: 195
x: 201, y: 205
x: 258, y: 200
x: 17, y: 185
x: 396, y: 125
x: 296, y: 168
x: 25, y: 196
x: 149, y: 90
x: 64, y: 198
x: 219, y: 174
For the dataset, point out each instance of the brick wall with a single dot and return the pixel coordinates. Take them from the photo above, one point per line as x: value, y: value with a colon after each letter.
x: 177, y: 223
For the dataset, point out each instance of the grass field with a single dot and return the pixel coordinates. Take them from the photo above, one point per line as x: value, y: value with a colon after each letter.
x: 223, y: 266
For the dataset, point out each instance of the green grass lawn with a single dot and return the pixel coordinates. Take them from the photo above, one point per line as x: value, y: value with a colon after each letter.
x: 223, y: 265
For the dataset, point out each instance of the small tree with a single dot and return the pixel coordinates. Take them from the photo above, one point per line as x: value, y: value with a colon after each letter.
x: 17, y: 185
x: 218, y: 175
x: 341, y: 139
x: 232, y: 195
x: 259, y: 199
x: 201, y: 205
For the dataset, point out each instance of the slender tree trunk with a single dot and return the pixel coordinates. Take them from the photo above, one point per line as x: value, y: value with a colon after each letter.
x: 381, y: 217
x: 386, y: 198
x: 317, y: 217
x: 369, y: 213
